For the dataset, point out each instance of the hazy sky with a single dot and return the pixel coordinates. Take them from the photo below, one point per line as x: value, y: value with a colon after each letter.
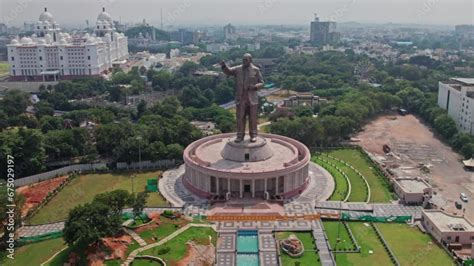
x: 206, y: 12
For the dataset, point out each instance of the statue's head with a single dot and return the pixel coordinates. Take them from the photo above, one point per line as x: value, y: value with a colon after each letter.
x: 247, y: 60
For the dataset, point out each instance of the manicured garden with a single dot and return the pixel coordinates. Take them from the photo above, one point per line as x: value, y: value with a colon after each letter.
x: 336, y: 230
x: 310, y: 255
x: 379, y: 186
x: 371, y: 252
x: 167, y: 227
x: 413, y: 247
x: 83, y: 188
x: 175, y: 249
x: 341, y: 185
x: 36, y: 253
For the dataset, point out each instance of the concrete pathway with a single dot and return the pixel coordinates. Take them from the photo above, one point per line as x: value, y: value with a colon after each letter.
x: 135, y: 236
x: 134, y: 253
x: 35, y: 230
x: 268, y: 249
x: 322, y: 244
x: 172, y: 188
x: 320, y: 186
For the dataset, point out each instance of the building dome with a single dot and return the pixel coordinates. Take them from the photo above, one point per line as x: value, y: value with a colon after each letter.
x: 104, y: 16
x: 41, y: 41
x: 46, y: 16
x: 91, y: 41
x: 26, y: 40
x: 62, y: 41
x: 14, y: 41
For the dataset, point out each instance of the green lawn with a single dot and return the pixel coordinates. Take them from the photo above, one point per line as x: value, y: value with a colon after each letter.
x: 379, y: 186
x: 413, y: 247
x: 177, y: 245
x: 341, y: 186
x: 4, y: 68
x: 35, y: 254
x: 82, y: 190
x: 167, y: 227
x: 333, y: 229
x: 368, y: 241
x: 358, y: 186
x: 310, y: 256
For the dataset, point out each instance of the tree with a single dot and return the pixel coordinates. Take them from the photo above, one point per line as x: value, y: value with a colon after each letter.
x: 14, y: 102
x: 141, y: 108
x: 139, y: 203
x: 87, y: 224
x: 445, y: 126
x: 116, y: 200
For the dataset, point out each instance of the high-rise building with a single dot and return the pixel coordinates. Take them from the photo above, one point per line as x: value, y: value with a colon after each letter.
x: 230, y: 32
x: 457, y: 97
x: 323, y: 32
x: 50, y: 54
x: 183, y: 36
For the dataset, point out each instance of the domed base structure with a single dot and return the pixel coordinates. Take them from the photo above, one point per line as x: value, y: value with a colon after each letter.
x: 272, y: 167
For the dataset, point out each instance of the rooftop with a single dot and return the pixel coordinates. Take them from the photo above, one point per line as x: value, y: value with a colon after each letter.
x: 413, y: 185
x: 448, y: 223
x: 464, y: 81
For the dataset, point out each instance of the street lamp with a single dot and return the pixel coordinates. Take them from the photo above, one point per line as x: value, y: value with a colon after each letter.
x: 139, y: 138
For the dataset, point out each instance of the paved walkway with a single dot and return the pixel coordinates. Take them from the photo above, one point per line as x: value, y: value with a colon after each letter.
x: 268, y: 249
x: 35, y: 230
x: 375, y: 209
x: 172, y: 188
x: 135, y: 236
x: 320, y: 186
x: 134, y: 253
x: 226, y: 249
x: 320, y: 238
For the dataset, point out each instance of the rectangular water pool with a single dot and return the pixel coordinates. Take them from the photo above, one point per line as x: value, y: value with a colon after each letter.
x: 247, y: 241
x: 247, y: 259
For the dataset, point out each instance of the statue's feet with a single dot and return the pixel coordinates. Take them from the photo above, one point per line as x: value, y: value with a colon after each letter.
x: 253, y: 139
x: 239, y: 139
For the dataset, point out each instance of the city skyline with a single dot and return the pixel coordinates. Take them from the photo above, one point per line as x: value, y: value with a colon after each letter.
x: 186, y: 12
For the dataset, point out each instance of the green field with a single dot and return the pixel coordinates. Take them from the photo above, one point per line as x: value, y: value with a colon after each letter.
x: 166, y: 228
x: 4, y: 68
x: 310, y: 256
x: 368, y: 241
x: 341, y: 186
x: 177, y: 245
x: 413, y: 247
x: 379, y: 187
x: 82, y: 190
x: 333, y: 229
x: 35, y: 254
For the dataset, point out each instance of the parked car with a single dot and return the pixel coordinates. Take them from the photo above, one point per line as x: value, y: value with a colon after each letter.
x: 463, y: 197
x: 458, y: 205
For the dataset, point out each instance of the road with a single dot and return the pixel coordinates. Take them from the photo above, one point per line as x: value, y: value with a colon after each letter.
x: 262, y: 93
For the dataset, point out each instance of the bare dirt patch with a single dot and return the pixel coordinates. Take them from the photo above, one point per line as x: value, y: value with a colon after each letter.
x: 412, y: 144
x: 36, y: 193
x: 198, y: 255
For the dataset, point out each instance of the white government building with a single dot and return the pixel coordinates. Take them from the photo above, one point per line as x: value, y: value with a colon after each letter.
x: 457, y: 97
x: 50, y: 54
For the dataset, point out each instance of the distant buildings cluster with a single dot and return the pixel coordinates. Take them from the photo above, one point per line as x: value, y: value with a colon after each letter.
x: 50, y: 54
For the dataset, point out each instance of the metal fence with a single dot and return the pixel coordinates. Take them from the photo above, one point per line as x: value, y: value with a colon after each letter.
x: 162, y: 164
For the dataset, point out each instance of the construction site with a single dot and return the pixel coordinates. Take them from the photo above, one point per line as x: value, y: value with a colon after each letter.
x: 407, y: 148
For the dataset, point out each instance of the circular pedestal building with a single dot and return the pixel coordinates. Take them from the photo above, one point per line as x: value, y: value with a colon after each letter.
x: 273, y: 166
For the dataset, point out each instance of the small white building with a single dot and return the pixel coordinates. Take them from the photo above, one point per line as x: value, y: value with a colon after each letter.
x: 50, y: 54
x: 412, y: 190
x: 448, y: 229
x: 457, y: 97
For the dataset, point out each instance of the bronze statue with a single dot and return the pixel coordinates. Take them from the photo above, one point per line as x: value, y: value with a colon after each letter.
x: 248, y: 80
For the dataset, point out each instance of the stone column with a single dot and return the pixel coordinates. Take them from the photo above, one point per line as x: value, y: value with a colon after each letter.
x: 217, y: 185
x: 265, y: 185
x: 228, y: 184
x: 276, y: 185
x: 241, y: 189
x: 253, y: 188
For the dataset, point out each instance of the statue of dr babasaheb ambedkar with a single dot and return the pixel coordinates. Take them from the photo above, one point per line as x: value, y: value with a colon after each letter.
x: 248, y: 80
